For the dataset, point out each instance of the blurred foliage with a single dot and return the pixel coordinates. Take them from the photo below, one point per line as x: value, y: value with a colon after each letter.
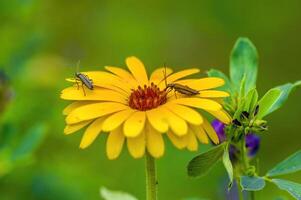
x: 14, y: 152
x: 115, y: 195
x: 41, y: 41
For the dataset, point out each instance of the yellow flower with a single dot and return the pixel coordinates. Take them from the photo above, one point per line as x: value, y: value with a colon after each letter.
x: 135, y: 109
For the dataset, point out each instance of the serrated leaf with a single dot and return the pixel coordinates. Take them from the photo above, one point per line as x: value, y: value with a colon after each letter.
x: 244, y: 61
x: 267, y: 102
x: 241, y: 100
x: 290, y: 165
x: 107, y: 194
x: 275, y: 98
x: 228, y: 165
x: 252, y: 183
x: 291, y: 187
x: 202, y: 164
x: 240, y: 108
x: 216, y: 73
x: 251, y: 100
x: 242, y: 88
x: 30, y: 142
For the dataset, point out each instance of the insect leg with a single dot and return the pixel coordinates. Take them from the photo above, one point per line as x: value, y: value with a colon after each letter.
x: 175, y: 94
x: 84, y: 89
x: 76, y: 81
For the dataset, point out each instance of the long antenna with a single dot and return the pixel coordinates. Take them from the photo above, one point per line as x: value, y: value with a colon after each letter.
x: 165, y: 75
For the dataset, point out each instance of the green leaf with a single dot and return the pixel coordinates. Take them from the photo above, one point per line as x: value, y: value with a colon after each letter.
x: 291, y: 187
x: 251, y: 100
x: 267, y: 102
x: 243, y: 61
x: 202, y: 164
x: 228, y: 165
x: 241, y: 100
x: 216, y: 73
x: 107, y: 194
x: 30, y: 142
x: 275, y: 98
x: 252, y: 183
x: 297, y: 84
x: 242, y: 88
x: 289, y: 165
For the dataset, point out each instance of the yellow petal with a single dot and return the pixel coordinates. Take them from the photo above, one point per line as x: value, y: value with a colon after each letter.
x: 134, y: 125
x: 181, y: 74
x: 205, y: 104
x: 210, y: 132
x: 157, y: 120
x: 203, y: 83
x: 159, y: 74
x: 72, y: 93
x: 213, y: 94
x: 154, y: 142
x: 192, y: 143
x: 115, y: 143
x: 91, y: 133
x: 123, y: 74
x: 200, y: 134
x: 179, y: 142
x: 221, y: 115
x: 105, y: 80
x: 116, y: 119
x: 138, y: 70
x: 176, y: 123
x: 136, y: 145
x: 75, y: 127
x: 74, y: 105
x: 185, y: 113
x: 93, y: 111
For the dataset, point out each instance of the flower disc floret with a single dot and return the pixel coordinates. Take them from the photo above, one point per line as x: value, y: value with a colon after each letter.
x: 147, y: 98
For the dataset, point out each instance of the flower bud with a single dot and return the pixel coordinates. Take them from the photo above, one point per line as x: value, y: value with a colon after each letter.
x: 252, y: 140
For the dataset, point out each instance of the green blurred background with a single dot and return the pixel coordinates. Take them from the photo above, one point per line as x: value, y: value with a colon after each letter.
x: 41, y: 41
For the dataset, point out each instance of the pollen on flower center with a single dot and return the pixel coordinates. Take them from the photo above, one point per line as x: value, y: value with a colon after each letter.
x: 147, y: 98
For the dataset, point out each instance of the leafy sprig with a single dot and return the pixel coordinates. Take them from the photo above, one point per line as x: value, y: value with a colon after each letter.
x: 248, y: 113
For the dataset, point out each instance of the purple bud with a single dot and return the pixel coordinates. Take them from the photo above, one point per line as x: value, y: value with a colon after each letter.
x: 219, y: 129
x: 252, y: 140
x: 252, y: 144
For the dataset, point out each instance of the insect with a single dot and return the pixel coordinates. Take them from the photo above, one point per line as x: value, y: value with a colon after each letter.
x: 182, y: 89
x: 83, y: 79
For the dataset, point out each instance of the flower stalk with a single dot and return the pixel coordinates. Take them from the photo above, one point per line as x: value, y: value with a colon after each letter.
x: 244, y: 156
x: 151, y: 177
x: 245, y: 166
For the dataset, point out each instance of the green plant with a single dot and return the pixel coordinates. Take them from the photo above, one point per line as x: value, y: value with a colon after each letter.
x: 248, y: 113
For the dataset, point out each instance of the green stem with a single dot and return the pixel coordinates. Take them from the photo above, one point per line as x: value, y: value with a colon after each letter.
x: 244, y: 157
x: 241, y: 196
x: 245, y: 161
x: 151, y: 179
x: 252, y: 195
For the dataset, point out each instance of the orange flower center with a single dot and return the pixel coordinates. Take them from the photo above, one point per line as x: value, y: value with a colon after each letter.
x: 147, y: 98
